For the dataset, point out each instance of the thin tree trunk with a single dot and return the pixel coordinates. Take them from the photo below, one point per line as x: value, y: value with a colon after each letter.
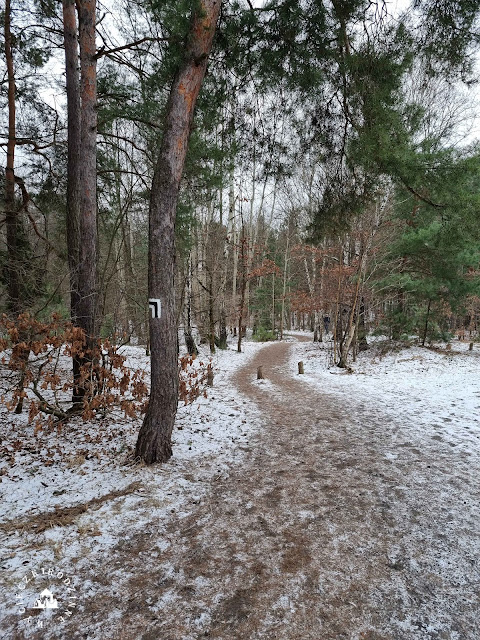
x: 187, y: 329
x: 427, y: 318
x: 16, y: 263
x: 154, y: 439
x: 337, y: 308
x: 362, y: 330
x: 211, y: 309
x: 74, y: 140
x: 284, y: 288
x: 11, y: 214
x: 240, y: 315
x: 273, y: 304
x: 244, y: 257
x: 231, y: 213
x: 70, y: 32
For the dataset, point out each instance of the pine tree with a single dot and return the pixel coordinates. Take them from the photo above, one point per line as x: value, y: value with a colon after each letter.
x: 154, y: 439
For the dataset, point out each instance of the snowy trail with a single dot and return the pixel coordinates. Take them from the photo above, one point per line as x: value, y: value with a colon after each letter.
x: 338, y: 522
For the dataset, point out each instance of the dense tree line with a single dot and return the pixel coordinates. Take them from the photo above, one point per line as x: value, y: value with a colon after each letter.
x: 270, y: 165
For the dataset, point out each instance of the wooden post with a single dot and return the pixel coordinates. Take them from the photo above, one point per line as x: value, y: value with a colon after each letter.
x: 300, y: 367
x: 260, y: 373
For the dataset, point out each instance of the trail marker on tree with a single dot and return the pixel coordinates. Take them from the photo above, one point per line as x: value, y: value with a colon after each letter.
x: 155, y: 305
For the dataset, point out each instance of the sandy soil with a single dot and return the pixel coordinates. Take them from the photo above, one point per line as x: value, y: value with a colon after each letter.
x: 318, y: 533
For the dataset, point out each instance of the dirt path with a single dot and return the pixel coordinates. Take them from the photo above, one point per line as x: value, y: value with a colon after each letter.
x: 317, y: 534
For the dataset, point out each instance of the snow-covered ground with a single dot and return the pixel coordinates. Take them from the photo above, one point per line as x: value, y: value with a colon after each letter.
x: 429, y: 389
x: 65, y: 495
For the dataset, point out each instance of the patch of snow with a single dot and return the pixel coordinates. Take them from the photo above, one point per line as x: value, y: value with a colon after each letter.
x: 87, y: 463
x: 434, y: 391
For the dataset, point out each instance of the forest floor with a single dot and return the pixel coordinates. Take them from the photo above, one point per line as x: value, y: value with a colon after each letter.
x: 346, y: 506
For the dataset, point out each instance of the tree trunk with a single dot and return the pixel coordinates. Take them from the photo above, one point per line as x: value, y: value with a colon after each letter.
x: 362, y: 330
x: 70, y: 32
x: 242, y: 300
x: 187, y: 328
x: 11, y: 214
x: 82, y: 177
x: 73, y: 150
x: 87, y: 268
x: 154, y: 438
x: 17, y: 256
x: 222, y: 342
x: 284, y: 288
x: 231, y: 213
x: 211, y: 312
x: 427, y: 318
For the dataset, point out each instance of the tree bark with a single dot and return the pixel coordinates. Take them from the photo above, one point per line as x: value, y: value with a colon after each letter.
x: 231, y: 214
x: 187, y: 330
x: 284, y: 289
x: 70, y: 31
x: 362, y: 330
x: 154, y: 439
x: 81, y: 226
x: 244, y: 258
x: 87, y: 268
x: 427, y: 318
x: 11, y: 214
x: 73, y: 149
x: 16, y: 261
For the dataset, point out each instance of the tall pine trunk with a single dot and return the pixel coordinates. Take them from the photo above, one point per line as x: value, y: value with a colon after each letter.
x: 154, y: 438
x: 74, y: 140
x: 11, y: 213
x: 87, y: 270
x: 70, y: 38
x: 79, y: 42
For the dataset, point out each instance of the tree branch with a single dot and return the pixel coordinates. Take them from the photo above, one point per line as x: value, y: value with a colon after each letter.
x: 420, y: 197
x: 103, y: 51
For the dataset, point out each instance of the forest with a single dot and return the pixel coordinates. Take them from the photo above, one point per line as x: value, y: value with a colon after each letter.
x: 239, y: 306
x: 184, y: 172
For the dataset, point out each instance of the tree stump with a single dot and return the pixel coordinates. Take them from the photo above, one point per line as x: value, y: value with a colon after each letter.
x: 300, y: 367
x: 260, y: 373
